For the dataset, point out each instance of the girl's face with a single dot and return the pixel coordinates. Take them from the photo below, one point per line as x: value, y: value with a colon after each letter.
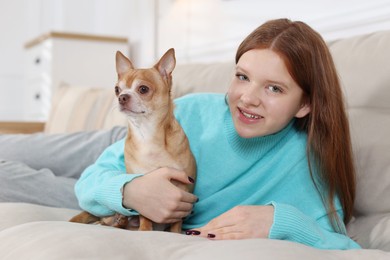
x: 263, y: 97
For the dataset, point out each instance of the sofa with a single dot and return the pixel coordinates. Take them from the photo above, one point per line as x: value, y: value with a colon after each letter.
x: 33, y: 231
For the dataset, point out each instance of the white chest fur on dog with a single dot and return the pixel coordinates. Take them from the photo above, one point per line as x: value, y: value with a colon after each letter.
x: 150, y: 159
x: 150, y: 155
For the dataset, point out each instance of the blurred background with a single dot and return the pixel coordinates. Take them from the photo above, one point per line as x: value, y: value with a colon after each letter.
x: 45, y: 43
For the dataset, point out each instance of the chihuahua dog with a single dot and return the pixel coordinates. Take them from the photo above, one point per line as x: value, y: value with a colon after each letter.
x: 155, y: 138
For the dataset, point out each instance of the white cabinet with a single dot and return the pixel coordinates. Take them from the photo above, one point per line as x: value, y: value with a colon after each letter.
x: 66, y: 58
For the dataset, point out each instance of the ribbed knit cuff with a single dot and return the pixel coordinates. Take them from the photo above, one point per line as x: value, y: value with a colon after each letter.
x: 110, y: 194
x: 291, y: 224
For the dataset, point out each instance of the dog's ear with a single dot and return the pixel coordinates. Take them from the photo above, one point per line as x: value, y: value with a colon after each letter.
x: 166, y: 64
x: 123, y: 64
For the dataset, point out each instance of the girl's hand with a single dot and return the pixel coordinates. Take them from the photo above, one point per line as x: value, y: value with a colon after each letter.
x: 154, y: 196
x: 241, y: 222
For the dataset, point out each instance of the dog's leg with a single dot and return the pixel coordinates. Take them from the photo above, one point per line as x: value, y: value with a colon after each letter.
x: 176, y: 227
x: 85, y: 217
x: 145, y: 224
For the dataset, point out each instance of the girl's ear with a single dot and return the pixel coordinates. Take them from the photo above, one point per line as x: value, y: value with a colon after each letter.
x: 304, y: 110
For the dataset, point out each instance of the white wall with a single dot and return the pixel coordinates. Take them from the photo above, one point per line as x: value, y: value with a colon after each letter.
x: 12, y: 23
x: 24, y: 20
x: 200, y: 30
x: 209, y: 30
x: 133, y: 19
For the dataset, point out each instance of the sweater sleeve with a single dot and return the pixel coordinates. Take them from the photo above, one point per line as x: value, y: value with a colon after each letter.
x: 99, y: 189
x: 293, y: 225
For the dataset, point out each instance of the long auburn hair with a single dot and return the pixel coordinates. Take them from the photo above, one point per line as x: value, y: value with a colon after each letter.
x: 310, y: 64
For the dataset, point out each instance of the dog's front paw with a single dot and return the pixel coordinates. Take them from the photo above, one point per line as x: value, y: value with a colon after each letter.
x: 117, y: 220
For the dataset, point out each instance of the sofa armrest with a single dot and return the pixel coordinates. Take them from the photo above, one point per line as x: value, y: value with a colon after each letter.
x: 21, y: 127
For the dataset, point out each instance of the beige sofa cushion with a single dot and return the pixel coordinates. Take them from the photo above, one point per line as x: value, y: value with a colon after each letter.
x: 371, y: 231
x: 201, y: 77
x: 38, y: 232
x: 79, y: 108
x: 363, y: 63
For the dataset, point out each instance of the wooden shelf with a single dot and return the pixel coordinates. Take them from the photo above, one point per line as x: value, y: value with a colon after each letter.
x: 75, y: 36
x: 21, y: 127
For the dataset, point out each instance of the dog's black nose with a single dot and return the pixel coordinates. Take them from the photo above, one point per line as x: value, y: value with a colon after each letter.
x: 123, y: 99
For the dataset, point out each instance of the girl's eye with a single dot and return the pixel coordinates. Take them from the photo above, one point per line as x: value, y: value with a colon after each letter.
x: 242, y: 77
x: 143, y: 89
x: 117, y: 90
x: 275, y: 89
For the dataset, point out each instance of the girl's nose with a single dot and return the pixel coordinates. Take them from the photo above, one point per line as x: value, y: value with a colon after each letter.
x: 251, y: 97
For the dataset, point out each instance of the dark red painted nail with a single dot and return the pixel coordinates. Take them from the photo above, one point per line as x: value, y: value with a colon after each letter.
x: 210, y: 235
x: 196, y: 232
x: 193, y: 232
x: 191, y: 179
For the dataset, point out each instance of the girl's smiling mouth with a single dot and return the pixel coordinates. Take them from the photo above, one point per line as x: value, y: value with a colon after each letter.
x: 247, y: 115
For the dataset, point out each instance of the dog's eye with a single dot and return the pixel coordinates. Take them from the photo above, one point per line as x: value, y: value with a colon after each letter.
x: 143, y: 89
x: 117, y: 90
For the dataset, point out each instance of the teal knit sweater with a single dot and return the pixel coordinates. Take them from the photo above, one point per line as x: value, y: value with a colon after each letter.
x: 269, y: 170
